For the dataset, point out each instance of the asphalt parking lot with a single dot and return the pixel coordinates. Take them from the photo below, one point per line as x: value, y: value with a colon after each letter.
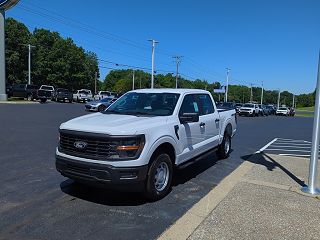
x: 36, y: 202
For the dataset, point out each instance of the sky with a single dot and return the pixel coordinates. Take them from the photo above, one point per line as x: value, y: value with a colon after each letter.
x: 274, y: 42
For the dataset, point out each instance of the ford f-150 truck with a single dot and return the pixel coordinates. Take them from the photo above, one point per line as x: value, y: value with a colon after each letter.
x: 139, y: 139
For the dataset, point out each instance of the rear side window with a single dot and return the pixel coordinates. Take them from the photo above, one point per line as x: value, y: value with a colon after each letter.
x: 206, y: 104
x: 189, y: 105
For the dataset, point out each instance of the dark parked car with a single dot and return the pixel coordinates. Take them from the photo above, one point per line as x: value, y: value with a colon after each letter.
x: 292, y: 112
x: 62, y: 94
x: 26, y: 91
x: 238, y: 106
x: 272, y: 109
x: 227, y: 105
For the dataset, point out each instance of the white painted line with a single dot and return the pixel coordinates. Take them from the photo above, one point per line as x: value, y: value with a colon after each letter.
x: 293, y: 155
x: 293, y: 140
x: 266, y: 146
x: 286, y: 150
x: 273, y: 145
x: 292, y: 144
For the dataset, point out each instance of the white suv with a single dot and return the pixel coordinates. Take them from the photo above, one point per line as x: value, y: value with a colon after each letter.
x: 249, y: 109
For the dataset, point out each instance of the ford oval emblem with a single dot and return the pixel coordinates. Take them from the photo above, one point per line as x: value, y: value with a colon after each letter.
x: 80, y: 144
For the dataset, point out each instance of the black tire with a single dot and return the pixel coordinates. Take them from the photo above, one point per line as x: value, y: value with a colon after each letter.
x: 225, y: 147
x: 101, y: 108
x: 29, y: 97
x: 153, y: 192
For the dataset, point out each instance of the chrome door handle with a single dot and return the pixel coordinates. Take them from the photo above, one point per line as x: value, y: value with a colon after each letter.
x: 202, y: 124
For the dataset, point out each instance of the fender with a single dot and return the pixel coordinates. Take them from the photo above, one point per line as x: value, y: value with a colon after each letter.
x: 159, y: 141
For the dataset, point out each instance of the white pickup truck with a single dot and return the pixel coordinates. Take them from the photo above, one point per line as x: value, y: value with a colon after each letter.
x: 138, y: 140
x: 82, y: 95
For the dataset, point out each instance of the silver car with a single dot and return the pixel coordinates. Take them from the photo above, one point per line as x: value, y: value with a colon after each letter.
x: 99, y: 106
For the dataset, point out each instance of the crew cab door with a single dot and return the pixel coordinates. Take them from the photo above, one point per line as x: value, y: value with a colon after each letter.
x: 209, y: 121
x: 190, y: 134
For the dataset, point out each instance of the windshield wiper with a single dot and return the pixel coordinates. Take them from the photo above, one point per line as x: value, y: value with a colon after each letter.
x: 112, y: 111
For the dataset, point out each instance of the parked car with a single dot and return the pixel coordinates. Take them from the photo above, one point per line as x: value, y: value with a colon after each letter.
x: 138, y: 141
x: 263, y: 111
x: 44, y: 94
x: 26, y: 91
x: 62, y: 94
x: 105, y: 94
x: 48, y: 88
x: 82, y: 95
x: 238, y: 106
x: 9, y: 91
x: 292, y: 112
x: 283, y: 111
x: 227, y: 105
x: 249, y: 109
x: 272, y: 109
x: 99, y: 106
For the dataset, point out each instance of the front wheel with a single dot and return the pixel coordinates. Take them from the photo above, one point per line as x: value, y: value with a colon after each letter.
x: 159, y: 177
x: 225, y: 147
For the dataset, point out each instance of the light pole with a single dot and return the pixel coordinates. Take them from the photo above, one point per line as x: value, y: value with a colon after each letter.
x: 251, y: 97
x: 313, y: 165
x: 152, y: 68
x: 278, y: 105
x: 227, y: 86
x: 3, y: 95
x: 132, y: 79
x: 29, y: 60
x: 261, y: 93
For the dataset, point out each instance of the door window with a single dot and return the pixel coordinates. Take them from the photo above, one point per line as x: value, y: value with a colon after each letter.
x: 189, y: 105
x: 205, y: 104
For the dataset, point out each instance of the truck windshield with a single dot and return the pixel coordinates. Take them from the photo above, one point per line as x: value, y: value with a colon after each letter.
x: 153, y: 104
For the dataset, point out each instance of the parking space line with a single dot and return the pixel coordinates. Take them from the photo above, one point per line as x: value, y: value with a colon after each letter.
x: 266, y: 146
x: 286, y: 150
x: 293, y: 155
x: 292, y: 140
x: 290, y: 146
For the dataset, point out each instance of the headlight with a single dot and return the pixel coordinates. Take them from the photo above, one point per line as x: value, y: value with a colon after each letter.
x: 127, y: 148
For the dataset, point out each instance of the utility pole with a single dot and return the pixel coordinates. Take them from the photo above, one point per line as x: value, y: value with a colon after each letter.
x: 262, y: 94
x: 152, y: 68
x: 227, y: 86
x: 133, y: 79
x: 251, y: 92
x: 278, y: 99
x: 95, y: 82
x: 178, y: 62
x: 29, y: 60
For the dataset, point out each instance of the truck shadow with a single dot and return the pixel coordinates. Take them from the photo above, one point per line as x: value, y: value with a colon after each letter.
x: 118, y: 198
x: 271, y: 164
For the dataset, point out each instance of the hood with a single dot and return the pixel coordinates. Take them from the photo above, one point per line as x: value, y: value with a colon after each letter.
x: 113, y: 124
x: 246, y: 108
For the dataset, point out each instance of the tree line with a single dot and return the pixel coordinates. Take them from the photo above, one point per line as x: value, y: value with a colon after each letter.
x: 60, y: 62
x: 55, y: 60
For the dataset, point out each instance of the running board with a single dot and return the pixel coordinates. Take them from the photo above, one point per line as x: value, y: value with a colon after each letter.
x: 197, y: 158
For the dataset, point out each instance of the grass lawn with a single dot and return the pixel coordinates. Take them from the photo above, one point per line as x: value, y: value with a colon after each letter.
x: 307, y: 109
x: 303, y: 115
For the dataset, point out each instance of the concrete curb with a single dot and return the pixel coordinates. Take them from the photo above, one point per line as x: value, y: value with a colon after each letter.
x: 188, y: 223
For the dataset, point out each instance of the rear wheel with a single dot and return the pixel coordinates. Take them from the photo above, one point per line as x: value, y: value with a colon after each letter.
x: 225, y: 147
x: 159, y: 177
x: 101, y: 108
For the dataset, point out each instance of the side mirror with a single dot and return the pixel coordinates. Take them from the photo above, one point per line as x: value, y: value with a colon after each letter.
x: 189, y: 117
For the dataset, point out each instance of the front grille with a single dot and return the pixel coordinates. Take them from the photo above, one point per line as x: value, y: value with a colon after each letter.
x: 99, y: 148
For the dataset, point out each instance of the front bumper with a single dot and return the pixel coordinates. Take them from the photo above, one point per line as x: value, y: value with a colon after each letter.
x: 106, y: 176
x: 91, y: 108
x: 245, y: 113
